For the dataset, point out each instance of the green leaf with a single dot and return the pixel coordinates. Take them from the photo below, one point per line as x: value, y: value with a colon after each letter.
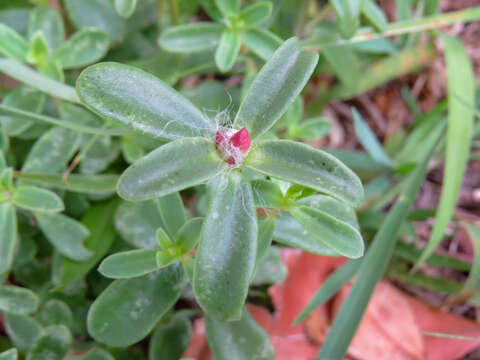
x: 345, y: 63
x: 92, y: 184
x: 11, y: 354
x: 239, y: 340
x: 228, y: 7
x: 369, y: 141
x: 227, y: 50
x: 23, y: 330
x: 83, y: 48
x: 22, y: 98
x: 54, y: 343
x: 13, y: 44
x: 129, y: 264
x: 125, y: 8
x: 189, y: 235
x: 190, y: 38
x: 172, y: 212
x: 373, y: 267
x: 375, y: 14
x: 262, y: 42
x: 51, y: 152
x: 307, y: 166
x: 141, y: 101
x: 163, y: 240
x: 229, y: 241
x: 49, y: 23
x: 137, y: 223
x: 333, y: 207
x: 38, y: 81
x: 169, y: 341
x: 461, y: 100
x: 17, y: 300
x: 267, y: 194
x: 65, y: 234
x: 256, y: 14
x: 129, y: 309
x: 98, y: 14
x: 98, y: 221
x: 38, y: 53
x: 314, y: 128
x: 275, y: 88
x: 37, y: 199
x: 55, y: 312
x: 163, y: 171
x: 339, y: 236
x: 131, y: 150
x: 348, y: 16
x: 93, y: 354
x: 271, y: 270
x: 8, y: 236
x: 266, y: 226
x: 472, y: 285
x: 329, y: 288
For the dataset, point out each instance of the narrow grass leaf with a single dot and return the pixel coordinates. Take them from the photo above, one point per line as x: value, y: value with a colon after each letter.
x: 329, y: 288
x: 461, y: 83
x: 369, y: 141
x: 372, y: 269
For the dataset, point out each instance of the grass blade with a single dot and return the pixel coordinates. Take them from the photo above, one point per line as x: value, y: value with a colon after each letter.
x: 461, y: 82
x: 330, y: 287
x: 372, y: 268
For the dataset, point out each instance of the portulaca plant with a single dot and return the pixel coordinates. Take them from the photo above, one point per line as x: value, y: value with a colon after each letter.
x: 240, y: 165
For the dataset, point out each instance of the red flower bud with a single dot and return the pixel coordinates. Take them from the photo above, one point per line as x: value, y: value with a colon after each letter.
x: 241, y: 140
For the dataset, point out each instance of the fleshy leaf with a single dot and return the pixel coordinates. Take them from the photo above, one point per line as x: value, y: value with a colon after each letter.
x: 172, y: 167
x: 55, y: 341
x: 190, y: 38
x: 225, y: 257
x: 129, y: 264
x: 275, y: 88
x: 13, y: 44
x: 125, y: 8
x: 261, y: 42
x: 227, y: 50
x: 338, y: 235
x: 305, y: 165
x: 141, y: 101
x: 239, y: 340
x: 37, y: 199
x: 256, y: 14
x: 189, y: 235
x: 128, y: 310
x: 65, y: 234
x: 169, y: 341
x: 17, y: 300
x: 172, y: 212
x: 8, y: 235
x: 82, y: 48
